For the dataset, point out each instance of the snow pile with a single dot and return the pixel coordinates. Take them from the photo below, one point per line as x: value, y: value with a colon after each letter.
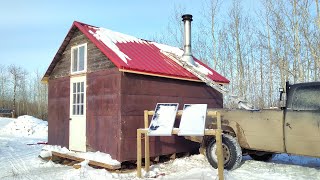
x: 59, y: 149
x: 193, y: 167
x: 93, y: 156
x: 99, y: 157
x: 25, y: 126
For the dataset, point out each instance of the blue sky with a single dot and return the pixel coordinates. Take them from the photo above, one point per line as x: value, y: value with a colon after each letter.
x: 32, y: 31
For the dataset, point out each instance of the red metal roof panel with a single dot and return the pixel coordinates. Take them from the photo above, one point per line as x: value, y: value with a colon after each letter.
x: 130, y: 53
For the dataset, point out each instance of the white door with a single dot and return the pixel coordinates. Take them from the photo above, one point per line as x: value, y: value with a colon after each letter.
x: 77, y: 125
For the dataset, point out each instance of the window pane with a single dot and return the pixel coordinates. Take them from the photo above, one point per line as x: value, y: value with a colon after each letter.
x: 74, y: 87
x: 81, y: 109
x: 82, y: 96
x: 78, y: 87
x: 78, y: 109
x: 78, y: 98
x: 74, y: 109
x: 81, y: 58
x: 74, y: 99
x: 82, y: 87
x: 75, y: 60
x: 307, y: 98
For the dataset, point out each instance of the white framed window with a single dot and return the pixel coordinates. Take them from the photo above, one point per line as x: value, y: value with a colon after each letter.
x: 77, y: 99
x: 79, y: 58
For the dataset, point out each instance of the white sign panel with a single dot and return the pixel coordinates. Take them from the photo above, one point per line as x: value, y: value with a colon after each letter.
x: 163, y: 119
x: 193, y: 120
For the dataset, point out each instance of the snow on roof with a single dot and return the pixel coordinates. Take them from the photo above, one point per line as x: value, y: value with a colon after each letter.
x: 111, y: 38
x: 131, y: 54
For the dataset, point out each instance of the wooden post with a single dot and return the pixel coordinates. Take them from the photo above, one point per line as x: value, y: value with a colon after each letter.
x: 220, y: 154
x: 218, y: 120
x: 138, y: 153
x: 146, y: 119
x: 219, y: 147
x: 146, y: 142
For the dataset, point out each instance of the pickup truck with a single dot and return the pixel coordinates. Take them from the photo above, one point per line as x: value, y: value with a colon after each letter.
x: 293, y: 128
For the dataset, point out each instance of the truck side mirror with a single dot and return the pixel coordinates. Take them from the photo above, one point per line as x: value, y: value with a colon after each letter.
x: 281, y: 90
x: 282, y: 98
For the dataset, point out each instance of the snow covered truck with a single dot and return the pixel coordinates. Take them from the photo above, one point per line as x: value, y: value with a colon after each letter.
x: 293, y: 128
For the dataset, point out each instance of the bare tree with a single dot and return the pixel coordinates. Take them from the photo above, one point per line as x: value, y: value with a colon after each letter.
x: 17, y: 75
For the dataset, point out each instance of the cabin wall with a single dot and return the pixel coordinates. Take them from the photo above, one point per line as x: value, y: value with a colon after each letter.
x: 140, y: 92
x: 103, y: 111
x: 59, y: 90
x: 58, y: 111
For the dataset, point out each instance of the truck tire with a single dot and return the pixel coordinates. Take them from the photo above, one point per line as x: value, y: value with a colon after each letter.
x: 262, y: 157
x: 232, y: 152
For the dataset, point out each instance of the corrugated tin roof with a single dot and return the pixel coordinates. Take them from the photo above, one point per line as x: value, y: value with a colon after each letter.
x: 136, y: 55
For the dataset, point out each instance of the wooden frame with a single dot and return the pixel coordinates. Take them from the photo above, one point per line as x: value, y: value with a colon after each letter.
x: 213, y: 132
x: 91, y: 162
x: 85, y: 59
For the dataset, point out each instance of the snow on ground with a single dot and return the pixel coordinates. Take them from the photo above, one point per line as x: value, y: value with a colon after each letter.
x: 24, y: 126
x: 20, y: 161
x: 94, y: 156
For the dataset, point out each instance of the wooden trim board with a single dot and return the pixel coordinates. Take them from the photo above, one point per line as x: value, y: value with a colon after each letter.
x: 158, y: 75
x: 91, y: 162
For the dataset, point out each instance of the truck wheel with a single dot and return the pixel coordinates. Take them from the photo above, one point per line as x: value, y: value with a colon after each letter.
x: 262, y: 157
x: 232, y: 153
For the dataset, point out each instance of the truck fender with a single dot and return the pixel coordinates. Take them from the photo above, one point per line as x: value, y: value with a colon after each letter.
x: 234, y: 128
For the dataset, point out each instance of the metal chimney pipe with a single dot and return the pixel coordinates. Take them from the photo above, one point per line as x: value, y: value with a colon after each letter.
x: 187, y: 55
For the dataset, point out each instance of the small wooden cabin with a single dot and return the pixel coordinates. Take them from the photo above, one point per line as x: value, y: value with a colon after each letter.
x: 101, y: 81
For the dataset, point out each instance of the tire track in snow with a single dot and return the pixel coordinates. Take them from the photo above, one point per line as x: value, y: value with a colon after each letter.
x: 20, y: 161
x: 17, y: 165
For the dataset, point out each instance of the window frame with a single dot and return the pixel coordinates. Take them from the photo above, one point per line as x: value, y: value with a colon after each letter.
x: 297, y: 96
x: 75, y: 102
x: 78, y: 79
x: 78, y: 58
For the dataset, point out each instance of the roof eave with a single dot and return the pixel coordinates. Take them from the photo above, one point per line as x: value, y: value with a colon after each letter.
x: 165, y: 76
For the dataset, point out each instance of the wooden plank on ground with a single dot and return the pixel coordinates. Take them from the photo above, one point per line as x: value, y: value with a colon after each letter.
x: 91, y: 162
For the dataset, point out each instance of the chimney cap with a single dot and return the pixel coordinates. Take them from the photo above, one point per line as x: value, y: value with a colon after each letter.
x: 186, y: 17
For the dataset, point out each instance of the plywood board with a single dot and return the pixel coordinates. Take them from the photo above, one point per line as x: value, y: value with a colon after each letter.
x: 163, y: 119
x: 193, y: 120
x: 91, y: 162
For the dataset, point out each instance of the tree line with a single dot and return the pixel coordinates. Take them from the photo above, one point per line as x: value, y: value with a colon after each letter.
x: 259, y: 49
x: 23, y: 91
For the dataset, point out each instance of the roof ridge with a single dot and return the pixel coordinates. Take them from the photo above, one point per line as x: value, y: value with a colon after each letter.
x: 147, y: 40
